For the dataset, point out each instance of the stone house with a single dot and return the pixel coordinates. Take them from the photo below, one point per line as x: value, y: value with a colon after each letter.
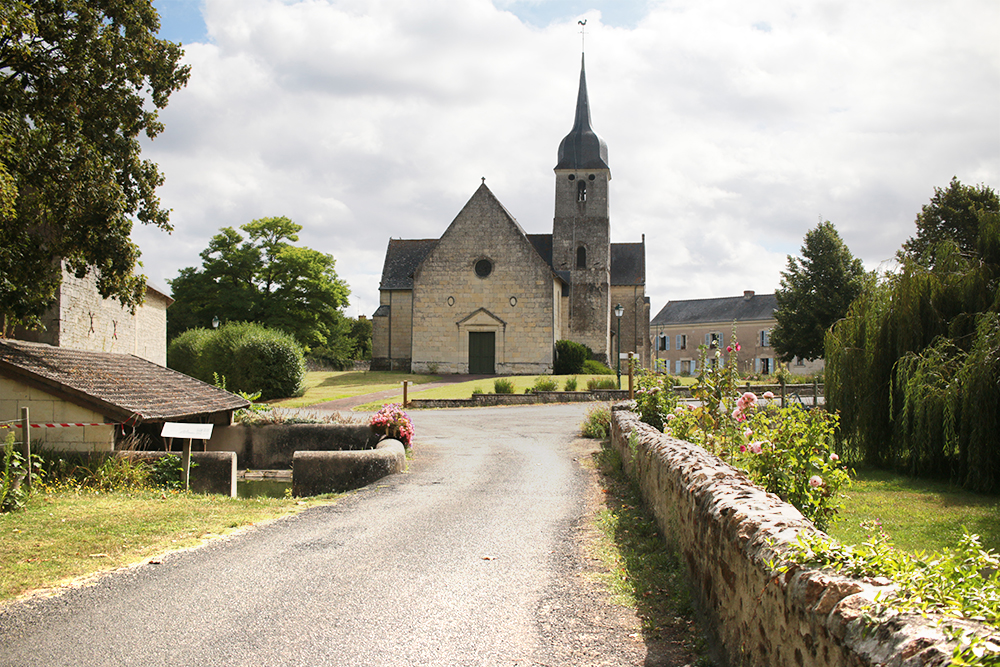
x: 81, y: 319
x: 682, y: 326
x: 489, y: 298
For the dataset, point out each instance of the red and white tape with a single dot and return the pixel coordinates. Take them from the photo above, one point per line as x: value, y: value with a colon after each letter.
x: 15, y: 425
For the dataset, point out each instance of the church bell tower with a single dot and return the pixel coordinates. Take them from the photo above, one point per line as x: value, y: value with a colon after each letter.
x: 581, y: 232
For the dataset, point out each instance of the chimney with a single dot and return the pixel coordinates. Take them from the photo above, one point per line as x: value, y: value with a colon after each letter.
x: 747, y: 294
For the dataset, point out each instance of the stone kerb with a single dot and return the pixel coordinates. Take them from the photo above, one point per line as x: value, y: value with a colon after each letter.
x: 728, y: 531
x: 314, y: 473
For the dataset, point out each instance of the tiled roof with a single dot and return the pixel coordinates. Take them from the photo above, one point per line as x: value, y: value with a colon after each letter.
x: 628, y: 263
x: 724, y: 309
x: 119, y: 386
x: 402, y: 258
x: 543, y: 246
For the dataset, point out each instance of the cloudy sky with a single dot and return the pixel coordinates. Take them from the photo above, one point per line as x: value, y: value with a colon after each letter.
x: 732, y: 127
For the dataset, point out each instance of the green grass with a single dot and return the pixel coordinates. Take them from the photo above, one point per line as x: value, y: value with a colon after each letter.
x: 65, y: 535
x: 322, y: 386
x: 917, y: 514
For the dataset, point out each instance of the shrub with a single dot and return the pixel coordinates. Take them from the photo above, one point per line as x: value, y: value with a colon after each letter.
x: 593, y: 384
x: 392, y: 422
x: 185, y: 353
x: 594, y: 367
x: 545, y: 383
x: 12, y: 494
x: 597, y: 422
x: 570, y: 384
x: 503, y: 386
x: 477, y: 390
x: 570, y: 357
x: 254, y: 358
x: 654, y: 397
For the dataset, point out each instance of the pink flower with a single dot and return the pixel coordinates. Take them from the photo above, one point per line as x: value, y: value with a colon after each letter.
x: 834, y: 457
x: 743, y: 449
x: 729, y: 348
x: 747, y: 433
x: 670, y: 415
x: 768, y: 395
x: 737, y: 347
x: 756, y: 447
x: 815, y: 481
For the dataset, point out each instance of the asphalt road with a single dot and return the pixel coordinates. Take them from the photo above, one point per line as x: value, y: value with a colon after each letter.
x: 470, y: 558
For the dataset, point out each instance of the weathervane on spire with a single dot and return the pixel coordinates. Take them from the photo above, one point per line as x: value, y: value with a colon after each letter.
x: 583, y: 34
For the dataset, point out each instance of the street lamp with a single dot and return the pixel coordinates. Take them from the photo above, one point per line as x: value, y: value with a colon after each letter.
x: 215, y: 322
x: 619, y: 311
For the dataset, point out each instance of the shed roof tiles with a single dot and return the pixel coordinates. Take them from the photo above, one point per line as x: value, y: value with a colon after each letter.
x: 119, y: 386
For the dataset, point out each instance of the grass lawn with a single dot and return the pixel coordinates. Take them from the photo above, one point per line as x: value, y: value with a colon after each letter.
x: 465, y: 389
x: 65, y: 535
x: 322, y: 386
x: 917, y: 514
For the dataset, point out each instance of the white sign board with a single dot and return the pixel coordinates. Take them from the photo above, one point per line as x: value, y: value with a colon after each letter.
x: 623, y: 355
x: 179, y: 430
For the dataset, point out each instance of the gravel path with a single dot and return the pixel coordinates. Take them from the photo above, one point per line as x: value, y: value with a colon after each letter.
x: 474, y: 557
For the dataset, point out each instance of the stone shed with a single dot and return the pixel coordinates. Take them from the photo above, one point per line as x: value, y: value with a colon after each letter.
x: 123, y: 393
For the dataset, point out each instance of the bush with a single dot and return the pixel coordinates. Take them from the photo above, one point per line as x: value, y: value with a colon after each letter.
x: 254, y: 358
x: 597, y: 423
x: 570, y: 384
x: 544, y: 383
x: 594, y: 367
x: 13, y: 494
x: 185, y: 353
x: 593, y: 384
x: 570, y: 357
x: 655, y: 397
x: 503, y: 386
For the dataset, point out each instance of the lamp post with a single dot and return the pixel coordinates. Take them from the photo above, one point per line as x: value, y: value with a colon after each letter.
x: 619, y: 311
x: 215, y: 322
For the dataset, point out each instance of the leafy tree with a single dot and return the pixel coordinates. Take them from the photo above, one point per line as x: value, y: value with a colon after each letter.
x: 265, y: 279
x: 79, y: 81
x: 952, y: 215
x: 815, y: 292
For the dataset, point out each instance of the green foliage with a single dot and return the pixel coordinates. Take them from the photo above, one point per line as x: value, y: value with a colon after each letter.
x: 80, y: 81
x: 594, y: 367
x: 962, y: 582
x: 914, y: 368
x: 594, y: 384
x: 952, y: 215
x: 816, y: 291
x: 168, y: 472
x: 265, y: 279
x: 654, y: 397
x: 570, y: 357
x: 545, y: 383
x: 186, y: 352
x: 96, y: 472
x: 597, y: 422
x: 503, y: 386
x: 13, y: 494
x: 570, y: 384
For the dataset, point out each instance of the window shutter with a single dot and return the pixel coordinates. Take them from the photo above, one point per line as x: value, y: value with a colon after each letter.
x: 666, y: 342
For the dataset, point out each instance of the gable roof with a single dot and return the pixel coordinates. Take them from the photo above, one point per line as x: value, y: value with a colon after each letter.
x: 628, y: 263
x: 748, y: 307
x: 402, y: 258
x: 118, y: 386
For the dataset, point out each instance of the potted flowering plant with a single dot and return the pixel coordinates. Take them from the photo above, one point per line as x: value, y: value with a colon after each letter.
x: 392, y: 422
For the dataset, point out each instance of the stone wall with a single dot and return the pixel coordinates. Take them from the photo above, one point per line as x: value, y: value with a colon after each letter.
x: 727, y: 531
x: 273, y: 446
x: 46, y: 408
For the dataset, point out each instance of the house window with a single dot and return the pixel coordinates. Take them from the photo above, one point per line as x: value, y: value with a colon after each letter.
x: 581, y: 258
x: 765, y: 338
x: 663, y: 343
x: 713, y: 339
x: 799, y: 361
x: 765, y: 365
x: 682, y: 341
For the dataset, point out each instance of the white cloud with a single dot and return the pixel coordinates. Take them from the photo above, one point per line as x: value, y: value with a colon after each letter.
x: 732, y: 128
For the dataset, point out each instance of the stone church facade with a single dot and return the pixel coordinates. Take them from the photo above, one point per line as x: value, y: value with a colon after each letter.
x: 488, y: 298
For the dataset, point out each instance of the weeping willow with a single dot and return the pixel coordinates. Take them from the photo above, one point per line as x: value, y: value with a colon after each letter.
x: 914, y: 367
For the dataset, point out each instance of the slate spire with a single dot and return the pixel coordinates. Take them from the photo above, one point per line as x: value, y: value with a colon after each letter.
x: 582, y: 148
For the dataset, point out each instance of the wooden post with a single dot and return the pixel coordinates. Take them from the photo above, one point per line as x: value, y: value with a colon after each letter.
x: 186, y: 463
x: 631, y: 376
x: 815, y: 392
x: 781, y: 379
x: 406, y: 384
x: 26, y: 443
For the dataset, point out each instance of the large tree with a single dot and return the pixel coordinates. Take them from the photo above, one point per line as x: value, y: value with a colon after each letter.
x: 952, y: 215
x: 263, y: 278
x: 815, y: 292
x: 80, y: 80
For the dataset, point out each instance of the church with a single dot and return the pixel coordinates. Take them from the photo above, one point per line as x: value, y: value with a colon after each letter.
x: 488, y: 298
